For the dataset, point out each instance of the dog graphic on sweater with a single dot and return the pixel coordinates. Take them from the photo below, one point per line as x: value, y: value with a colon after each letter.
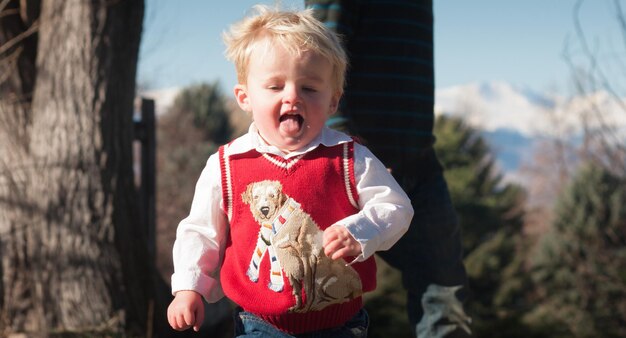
x: 293, y: 242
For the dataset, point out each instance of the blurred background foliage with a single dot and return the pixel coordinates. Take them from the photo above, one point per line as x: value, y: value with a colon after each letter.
x: 579, y: 267
x: 567, y: 280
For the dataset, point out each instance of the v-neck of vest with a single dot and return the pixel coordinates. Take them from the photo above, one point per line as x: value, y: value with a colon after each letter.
x: 282, y: 162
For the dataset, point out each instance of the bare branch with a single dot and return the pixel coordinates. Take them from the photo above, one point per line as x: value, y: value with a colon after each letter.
x: 7, y: 62
x: 603, y: 141
x: 8, y: 12
x: 18, y: 38
x: 3, y: 5
x: 621, y: 19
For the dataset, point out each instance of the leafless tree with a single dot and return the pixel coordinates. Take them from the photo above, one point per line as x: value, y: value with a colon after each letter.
x: 598, y: 75
x: 72, y: 257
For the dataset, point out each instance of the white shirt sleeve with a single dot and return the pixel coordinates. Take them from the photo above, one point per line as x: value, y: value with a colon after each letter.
x: 200, y: 238
x: 386, y: 210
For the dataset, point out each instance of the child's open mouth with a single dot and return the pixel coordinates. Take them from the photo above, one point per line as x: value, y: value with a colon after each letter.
x: 291, y: 123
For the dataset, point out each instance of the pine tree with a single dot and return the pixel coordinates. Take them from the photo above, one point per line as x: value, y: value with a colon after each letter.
x: 580, y: 265
x: 206, y: 105
x: 491, y: 215
x: 189, y: 132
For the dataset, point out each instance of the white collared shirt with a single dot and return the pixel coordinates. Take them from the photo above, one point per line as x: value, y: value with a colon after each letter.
x: 384, y: 216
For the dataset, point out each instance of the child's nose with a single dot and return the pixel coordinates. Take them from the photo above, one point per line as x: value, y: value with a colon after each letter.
x: 291, y: 95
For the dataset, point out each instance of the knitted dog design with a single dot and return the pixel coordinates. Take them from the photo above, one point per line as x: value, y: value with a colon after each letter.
x: 294, y: 243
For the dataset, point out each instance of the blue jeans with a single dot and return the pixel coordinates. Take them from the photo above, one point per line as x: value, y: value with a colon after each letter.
x: 249, y: 325
x: 430, y: 255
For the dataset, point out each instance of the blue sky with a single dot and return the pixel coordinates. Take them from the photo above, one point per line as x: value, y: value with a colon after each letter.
x: 520, y: 42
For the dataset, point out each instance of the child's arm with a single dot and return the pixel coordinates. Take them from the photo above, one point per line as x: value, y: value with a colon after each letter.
x: 185, y: 311
x: 384, y: 216
x: 200, y: 240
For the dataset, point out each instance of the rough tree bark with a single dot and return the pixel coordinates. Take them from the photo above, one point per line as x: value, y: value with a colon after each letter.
x: 71, y: 258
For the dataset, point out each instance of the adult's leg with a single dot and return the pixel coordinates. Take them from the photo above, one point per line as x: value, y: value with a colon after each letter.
x: 429, y: 256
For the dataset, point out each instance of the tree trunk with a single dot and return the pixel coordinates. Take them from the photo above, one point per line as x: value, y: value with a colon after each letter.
x: 72, y: 257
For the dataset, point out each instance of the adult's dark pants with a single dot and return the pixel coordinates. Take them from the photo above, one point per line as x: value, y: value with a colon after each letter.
x: 429, y: 255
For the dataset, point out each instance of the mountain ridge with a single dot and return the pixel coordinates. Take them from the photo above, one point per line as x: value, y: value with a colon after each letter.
x: 514, y: 120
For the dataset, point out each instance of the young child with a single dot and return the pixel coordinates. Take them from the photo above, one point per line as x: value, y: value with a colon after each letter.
x: 286, y: 218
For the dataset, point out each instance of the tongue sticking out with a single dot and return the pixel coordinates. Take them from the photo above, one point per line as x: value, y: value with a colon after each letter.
x: 291, y: 123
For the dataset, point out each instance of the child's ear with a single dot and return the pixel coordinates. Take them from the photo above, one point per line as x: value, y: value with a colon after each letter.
x: 334, y: 103
x: 241, y: 94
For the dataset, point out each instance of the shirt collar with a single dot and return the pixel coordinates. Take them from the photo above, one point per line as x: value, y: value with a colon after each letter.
x: 252, y: 140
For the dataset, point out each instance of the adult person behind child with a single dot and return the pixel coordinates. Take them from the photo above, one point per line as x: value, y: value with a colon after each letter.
x: 388, y: 103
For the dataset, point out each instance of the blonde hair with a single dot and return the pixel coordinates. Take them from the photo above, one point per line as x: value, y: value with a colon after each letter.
x: 296, y: 31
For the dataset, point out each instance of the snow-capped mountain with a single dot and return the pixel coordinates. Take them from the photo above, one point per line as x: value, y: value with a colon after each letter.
x: 513, y: 120
x: 499, y: 105
x: 493, y: 106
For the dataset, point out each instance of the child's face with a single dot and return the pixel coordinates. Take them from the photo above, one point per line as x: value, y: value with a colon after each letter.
x: 290, y: 96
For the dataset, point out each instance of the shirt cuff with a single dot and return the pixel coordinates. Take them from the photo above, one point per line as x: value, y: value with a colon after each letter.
x: 365, y: 232
x: 208, y: 287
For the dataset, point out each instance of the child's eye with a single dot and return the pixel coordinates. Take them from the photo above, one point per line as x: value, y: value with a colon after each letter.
x: 274, y: 88
x: 309, y: 89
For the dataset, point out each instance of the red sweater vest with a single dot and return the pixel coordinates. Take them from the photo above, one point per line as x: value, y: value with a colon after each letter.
x: 274, y: 265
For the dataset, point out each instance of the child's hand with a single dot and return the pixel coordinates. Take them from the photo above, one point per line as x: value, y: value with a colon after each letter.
x: 339, y: 243
x: 185, y: 311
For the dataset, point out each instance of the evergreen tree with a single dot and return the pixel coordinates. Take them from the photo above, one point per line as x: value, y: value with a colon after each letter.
x: 491, y: 215
x: 580, y: 265
x: 206, y: 106
x: 193, y: 128
x: 387, y: 304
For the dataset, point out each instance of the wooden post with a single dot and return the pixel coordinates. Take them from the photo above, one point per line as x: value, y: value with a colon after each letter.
x: 145, y: 132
